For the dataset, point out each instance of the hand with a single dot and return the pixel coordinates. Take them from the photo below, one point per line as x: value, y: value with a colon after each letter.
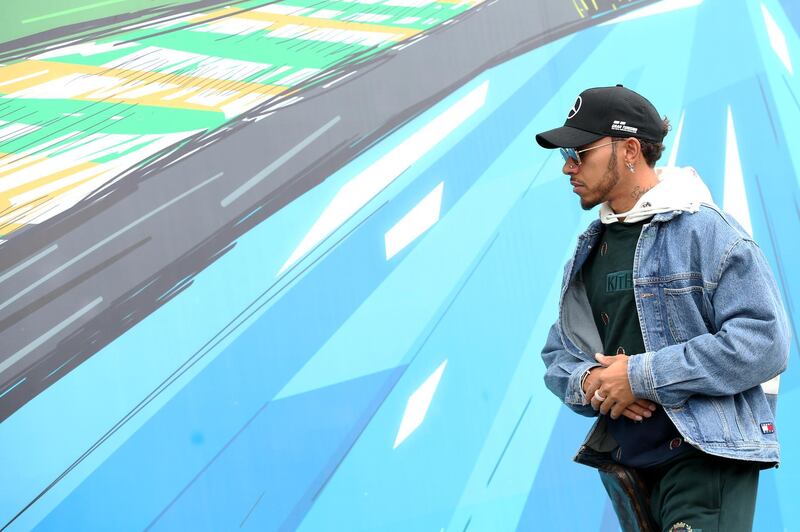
x: 614, y: 389
x: 639, y: 410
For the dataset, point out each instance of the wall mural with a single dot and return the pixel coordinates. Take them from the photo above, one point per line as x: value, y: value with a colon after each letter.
x: 290, y: 265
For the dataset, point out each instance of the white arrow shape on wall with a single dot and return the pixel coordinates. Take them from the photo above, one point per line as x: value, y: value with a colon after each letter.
x: 734, y: 199
x: 418, y: 404
x: 418, y: 220
x: 362, y: 188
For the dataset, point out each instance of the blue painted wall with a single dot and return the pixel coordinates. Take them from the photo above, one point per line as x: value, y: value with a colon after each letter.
x: 268, y: 399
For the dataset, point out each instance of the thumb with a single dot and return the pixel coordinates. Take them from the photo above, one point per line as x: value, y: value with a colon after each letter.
x: 604, y: 359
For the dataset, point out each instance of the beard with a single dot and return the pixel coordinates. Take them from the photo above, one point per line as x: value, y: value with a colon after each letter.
x: 608, y: 181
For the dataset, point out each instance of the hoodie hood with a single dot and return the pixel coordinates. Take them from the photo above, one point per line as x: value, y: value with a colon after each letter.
x: 679, y: 189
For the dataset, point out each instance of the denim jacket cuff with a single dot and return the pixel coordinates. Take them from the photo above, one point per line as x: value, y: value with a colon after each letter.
x: 575, y: 394
x: 640, y: 376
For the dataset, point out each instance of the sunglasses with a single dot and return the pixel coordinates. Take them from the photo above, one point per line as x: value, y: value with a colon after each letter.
x: 575, y: 155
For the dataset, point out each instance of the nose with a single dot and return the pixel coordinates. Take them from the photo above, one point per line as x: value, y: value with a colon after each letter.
x: 570, y: 167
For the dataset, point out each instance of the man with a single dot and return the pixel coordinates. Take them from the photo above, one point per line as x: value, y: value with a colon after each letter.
x: 670, y: 329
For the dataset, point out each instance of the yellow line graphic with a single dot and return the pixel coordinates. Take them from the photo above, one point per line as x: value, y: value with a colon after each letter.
x: 177, y: 89
x: 12, y: 211
x: 577, y: 8
x: 284, y: 20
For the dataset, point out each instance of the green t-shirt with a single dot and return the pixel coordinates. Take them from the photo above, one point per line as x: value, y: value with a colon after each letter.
x: 608, y: 277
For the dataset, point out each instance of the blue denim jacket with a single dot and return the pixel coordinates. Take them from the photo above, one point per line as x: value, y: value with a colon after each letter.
x: 714, y: 329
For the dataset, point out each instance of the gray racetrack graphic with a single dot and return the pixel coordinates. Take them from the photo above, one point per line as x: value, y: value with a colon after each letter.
x: 189, y: 207
x: 49, y: 334
x: 97, y: 29
x: 280, y: 161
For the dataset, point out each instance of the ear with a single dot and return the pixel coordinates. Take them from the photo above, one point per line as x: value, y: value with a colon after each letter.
x: 631, y: 150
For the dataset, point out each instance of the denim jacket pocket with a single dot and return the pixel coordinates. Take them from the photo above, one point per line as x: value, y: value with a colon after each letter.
x: 685, y: 314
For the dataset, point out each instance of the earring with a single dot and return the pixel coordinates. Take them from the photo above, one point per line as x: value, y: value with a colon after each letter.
x: 631, y: 167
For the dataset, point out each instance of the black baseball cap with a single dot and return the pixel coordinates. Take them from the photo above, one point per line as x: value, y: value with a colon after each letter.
x: 605, y: 112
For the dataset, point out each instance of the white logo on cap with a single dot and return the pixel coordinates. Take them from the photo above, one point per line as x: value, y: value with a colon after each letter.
x: 619, y: 125
x: 575, y: 108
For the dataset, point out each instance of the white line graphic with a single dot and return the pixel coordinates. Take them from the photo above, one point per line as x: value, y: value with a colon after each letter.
x: 27, y: 263
x: 418, y: 220
x: 418, y: 404
x: 659, y: 8
x: 105, y: 241
x: 277, y: 163
x: 13, y: 359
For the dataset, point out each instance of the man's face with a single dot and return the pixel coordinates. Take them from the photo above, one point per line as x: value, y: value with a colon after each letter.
x: 597, y: 175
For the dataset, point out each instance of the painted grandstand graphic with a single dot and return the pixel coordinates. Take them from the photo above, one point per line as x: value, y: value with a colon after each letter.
x: 77, y: 115
x: 278, y: 265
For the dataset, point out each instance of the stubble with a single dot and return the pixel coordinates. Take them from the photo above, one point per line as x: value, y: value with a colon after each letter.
x: 607, y: 182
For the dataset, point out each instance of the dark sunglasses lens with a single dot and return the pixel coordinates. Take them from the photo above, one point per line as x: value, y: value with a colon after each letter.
x: 570, y: 153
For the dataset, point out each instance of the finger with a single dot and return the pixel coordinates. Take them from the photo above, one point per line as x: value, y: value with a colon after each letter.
x: 638, y: 410
x: 617, y: 410
x: 633, y: 416
x: 644, y: 403
x: 605, y: 407
x: 595, y: 404
x: 595, y: 401
x: 591, y: 386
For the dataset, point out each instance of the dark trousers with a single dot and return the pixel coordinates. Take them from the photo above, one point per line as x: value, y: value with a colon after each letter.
x: 703, y: 493
x: 695, y: 492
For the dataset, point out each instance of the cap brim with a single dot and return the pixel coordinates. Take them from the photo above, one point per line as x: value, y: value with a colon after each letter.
x: 566, y: 137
